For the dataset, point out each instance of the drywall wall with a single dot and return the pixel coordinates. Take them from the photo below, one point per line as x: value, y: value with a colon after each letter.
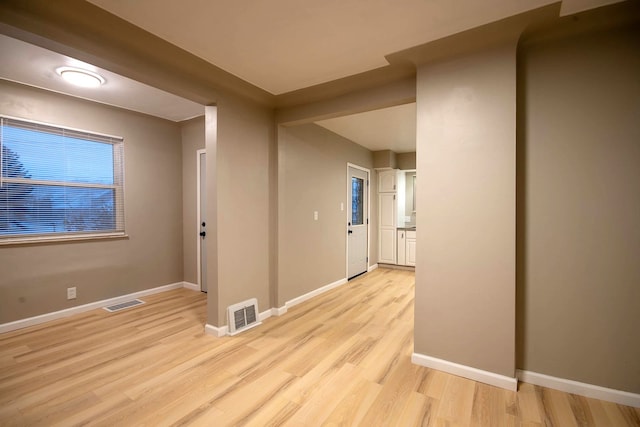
x: 465, y: 267
x: 211, y: 241
x: 390, y: 94
x: 384, y: 159
x: 312, y: 165
x: 192, y: 132
x: 406, y: 161
x: 245, y: 134
x: 387, y: 159
x: 579, y: 209
x: 35, y: 277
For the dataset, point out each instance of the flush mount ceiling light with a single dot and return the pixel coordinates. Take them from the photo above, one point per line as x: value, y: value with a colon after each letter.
x: 80, y: 77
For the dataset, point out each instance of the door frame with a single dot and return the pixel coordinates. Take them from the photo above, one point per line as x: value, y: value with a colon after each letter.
x: 346, y: 235
x: 198, y: 207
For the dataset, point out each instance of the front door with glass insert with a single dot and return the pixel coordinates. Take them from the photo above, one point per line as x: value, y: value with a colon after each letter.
x: 358, y: 218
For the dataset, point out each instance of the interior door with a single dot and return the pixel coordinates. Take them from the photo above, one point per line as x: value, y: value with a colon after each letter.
x: 202, y: 223
x: 358, y: 219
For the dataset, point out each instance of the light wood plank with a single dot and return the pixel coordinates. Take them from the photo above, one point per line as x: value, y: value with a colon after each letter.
x: 340, y: 359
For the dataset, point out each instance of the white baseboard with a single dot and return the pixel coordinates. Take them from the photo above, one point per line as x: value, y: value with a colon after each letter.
x: 265, y: 315
x: 191, y: 286
x: 36, y: 320
x: 278, y: 311
x: 222, y: 331
x: 582, y: 389
x: 372, y: 267
x: 253, y: 325
x: 215, y: 331
x: 475, y: 374
x: 314, y: 293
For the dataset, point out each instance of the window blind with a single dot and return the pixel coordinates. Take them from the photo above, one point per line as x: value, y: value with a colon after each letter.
x: 57, y: 181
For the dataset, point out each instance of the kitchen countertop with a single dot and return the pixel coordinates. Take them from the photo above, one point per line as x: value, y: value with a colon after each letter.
x: 407, y: 226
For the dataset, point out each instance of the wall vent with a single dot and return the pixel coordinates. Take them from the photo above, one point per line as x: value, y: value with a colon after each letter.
x: 123, y: 305
x: 243, y: 316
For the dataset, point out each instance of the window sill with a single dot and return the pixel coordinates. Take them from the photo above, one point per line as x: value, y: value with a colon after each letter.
x: 61, y: 239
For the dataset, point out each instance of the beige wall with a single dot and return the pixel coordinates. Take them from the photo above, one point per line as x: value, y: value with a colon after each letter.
x: 465, y: 269
x: 192, y: 132
x: 579, y: 158
x: 384, y: 159
x: 406, y: 161
x: 387, y: 159
x: 313, y: 177
x: 245, y: 134
x: 34, y: 278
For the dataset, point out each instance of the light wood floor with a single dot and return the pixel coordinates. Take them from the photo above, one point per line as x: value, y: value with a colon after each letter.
x: 342, y: 358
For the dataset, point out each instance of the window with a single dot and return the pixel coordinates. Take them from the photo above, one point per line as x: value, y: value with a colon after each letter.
x: 59, y: 183
x: 357, y: 200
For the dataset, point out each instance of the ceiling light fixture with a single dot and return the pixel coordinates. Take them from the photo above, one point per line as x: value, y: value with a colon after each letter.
x: 80, y: 77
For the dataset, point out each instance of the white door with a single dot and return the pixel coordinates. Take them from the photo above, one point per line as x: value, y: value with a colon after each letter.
x: 358, y: 220
x: 202, y: 219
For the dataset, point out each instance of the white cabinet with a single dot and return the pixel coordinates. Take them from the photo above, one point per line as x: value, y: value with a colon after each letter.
x: 387, y: 246
x: 387, y: 228
x: 387, y: 211
x: 391, y: 209
x: 402, y: 258
x: 406, y: 247
x: 387, y: 181
x: 410, y: 248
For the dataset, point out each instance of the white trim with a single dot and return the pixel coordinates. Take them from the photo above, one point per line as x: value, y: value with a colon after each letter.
x: 222, y: 331
x: 191, y: 286
x: 278, y: 311
x: 582, y: 389
x: 265, y: 315
x: 346, y: 238
x: 309, y: 295
x: 90, y: 132
x: 198, y: 189
x: 475, y: 374
x: 215, y: 331
x: 36, y: 320
x: 372, y: 267
x: 64, y: 238
x: 239, y: 331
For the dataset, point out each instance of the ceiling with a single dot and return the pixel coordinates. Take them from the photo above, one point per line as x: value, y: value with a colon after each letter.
x: 34, y: 66
x: 279, y: 46
x: 285, y: 45
x: 391, y: 128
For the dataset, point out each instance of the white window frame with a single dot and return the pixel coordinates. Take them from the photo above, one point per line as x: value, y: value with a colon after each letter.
x: 117, y: 186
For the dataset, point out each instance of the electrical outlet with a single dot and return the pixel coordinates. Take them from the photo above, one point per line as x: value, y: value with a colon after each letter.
x: 315, y: 215
x: 71, y: 293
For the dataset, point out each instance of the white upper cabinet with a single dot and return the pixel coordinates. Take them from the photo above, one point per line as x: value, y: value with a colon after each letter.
x: 387, y: 181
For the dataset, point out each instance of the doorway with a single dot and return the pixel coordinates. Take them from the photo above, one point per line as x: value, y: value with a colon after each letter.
x: 357, y: 220
x: 202, y: 218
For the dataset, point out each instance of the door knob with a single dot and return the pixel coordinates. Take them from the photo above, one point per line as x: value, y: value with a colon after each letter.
x: 203, y: 233
x: 349, y: 231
